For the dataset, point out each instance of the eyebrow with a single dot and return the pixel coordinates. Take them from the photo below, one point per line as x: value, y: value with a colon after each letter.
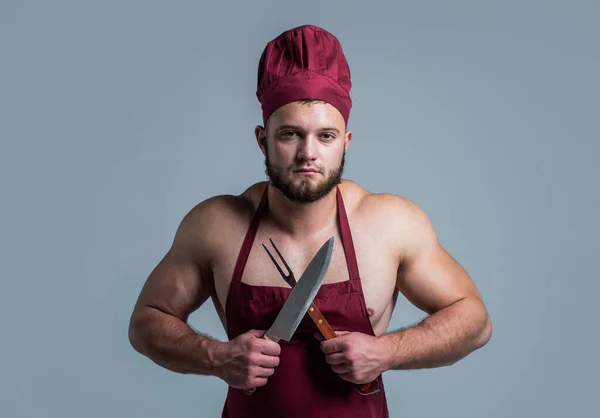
x: 299, y: 128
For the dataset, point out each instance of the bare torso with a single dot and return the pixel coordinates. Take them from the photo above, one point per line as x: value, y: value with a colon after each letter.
x: 397, y: 250
x: 376, y: 253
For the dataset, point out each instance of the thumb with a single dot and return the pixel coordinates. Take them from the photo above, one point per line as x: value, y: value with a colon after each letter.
x: 319, y: 336
x: 256, y: 332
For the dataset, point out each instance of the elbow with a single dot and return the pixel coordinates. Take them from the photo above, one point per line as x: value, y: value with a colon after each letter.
x: 485, y: 334
x: 134, y: 333
x: 133, y: 339
x: 480, y: 324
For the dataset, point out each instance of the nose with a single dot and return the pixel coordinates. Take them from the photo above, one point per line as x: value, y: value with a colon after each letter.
x: 308, y: 148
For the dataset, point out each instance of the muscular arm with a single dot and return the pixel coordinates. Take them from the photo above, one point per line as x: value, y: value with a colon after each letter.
x: 178, y: 285
x: 458, y: 322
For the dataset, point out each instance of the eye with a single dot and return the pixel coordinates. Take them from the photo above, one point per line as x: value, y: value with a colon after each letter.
x: 328, y: 136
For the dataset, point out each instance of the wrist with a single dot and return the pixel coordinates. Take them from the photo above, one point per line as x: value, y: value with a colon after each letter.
x: 214, y: 350
x: 390, y: 354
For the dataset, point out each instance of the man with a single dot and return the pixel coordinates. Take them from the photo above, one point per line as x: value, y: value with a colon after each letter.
x: 384, y: 244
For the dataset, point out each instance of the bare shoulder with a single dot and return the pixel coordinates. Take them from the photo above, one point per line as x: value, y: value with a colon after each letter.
x: 208, y: 224
x: 205, y: 228
x: 390, y: 215
x: 383, y: 207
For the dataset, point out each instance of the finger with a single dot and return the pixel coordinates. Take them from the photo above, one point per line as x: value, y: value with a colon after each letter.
x: 331, y: 346
x: 269, y: 348
x: 335, y: 358
x: 318, y: 335
x: 257, y: 382
x: 256, y: 332
x: 341, y: 369
x: 348, y: 377
x: 263, y: 372
x: 267, y: 361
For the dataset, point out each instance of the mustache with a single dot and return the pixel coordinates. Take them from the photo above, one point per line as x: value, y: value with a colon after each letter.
x: 295, y: 167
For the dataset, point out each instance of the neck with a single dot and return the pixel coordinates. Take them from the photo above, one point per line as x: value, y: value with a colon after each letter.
x: 302, y: 218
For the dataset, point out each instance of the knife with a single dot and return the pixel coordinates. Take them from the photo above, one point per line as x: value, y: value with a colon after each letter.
x: 302, y: 295
x: 317, y: 317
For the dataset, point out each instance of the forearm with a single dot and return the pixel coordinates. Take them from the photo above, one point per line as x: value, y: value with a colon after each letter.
x: 441, y: 339
x: 171, y: 343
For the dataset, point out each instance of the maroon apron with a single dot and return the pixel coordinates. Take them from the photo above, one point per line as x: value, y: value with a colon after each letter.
x: 303, y: 384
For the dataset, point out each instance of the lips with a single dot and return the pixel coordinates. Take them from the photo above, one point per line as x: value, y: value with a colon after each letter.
x: 306, y: 170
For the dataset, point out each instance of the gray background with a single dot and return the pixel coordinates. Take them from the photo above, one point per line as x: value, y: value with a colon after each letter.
x: 118, y: 116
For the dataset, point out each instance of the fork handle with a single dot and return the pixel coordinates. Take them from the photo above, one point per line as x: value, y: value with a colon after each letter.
x: 329, y: 333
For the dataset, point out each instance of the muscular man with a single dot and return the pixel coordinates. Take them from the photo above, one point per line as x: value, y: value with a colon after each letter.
x: 385, y: 244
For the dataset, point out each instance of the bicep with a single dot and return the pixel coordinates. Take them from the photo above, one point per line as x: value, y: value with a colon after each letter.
x: 182, y: 281
x: 176, y: 286
x: 428, y: 276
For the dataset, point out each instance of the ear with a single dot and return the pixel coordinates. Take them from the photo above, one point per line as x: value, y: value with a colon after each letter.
x: 347, y: 139
x: 261, y: 138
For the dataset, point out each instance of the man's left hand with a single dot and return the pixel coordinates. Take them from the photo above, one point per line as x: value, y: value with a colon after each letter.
x: 354, y: 356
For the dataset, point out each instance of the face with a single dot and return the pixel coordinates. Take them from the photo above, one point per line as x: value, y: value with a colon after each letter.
x: 304, y: 147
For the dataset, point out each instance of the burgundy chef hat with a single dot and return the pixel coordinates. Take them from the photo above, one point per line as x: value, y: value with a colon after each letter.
x: 306, y: 62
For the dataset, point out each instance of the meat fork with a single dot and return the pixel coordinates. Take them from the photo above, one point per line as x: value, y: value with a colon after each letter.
x: 316, y: 316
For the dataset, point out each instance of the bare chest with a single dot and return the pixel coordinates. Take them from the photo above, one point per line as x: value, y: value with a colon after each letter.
x: 377, y: 270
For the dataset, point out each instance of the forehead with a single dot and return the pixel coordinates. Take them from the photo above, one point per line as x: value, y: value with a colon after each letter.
x: 310, y: 116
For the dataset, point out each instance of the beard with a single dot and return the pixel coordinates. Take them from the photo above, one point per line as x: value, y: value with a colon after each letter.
x: 307, y: 190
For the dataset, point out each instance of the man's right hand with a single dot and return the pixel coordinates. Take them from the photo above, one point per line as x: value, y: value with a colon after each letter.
x: 247, y: 361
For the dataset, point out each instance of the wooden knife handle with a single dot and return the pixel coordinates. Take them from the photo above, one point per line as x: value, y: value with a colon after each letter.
x: 321, y: 322
x: 329, y: 333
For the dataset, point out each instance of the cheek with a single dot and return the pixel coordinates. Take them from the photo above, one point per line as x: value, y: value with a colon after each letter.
x: 280, y: 159
x: 283, y: 155
x: 334, y: 158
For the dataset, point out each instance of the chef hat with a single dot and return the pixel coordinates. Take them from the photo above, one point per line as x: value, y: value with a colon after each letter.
x: 306, y: 62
